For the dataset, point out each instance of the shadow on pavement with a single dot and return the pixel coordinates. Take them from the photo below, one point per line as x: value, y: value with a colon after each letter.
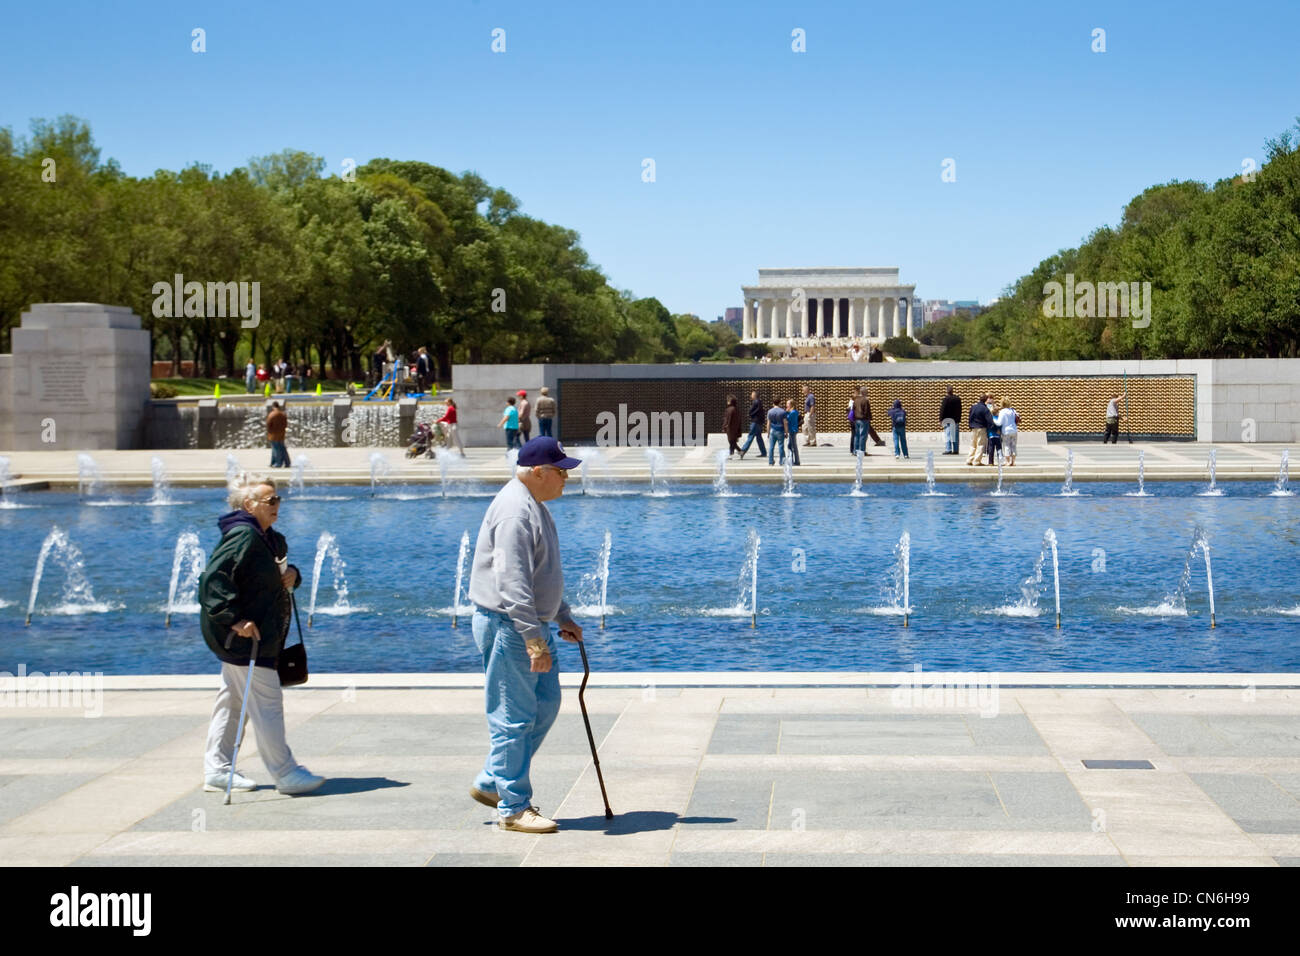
x: 636, y: 821
x: 337, y: 785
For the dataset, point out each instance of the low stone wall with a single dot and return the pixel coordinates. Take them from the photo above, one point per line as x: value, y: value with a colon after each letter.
x: 1221, y: 400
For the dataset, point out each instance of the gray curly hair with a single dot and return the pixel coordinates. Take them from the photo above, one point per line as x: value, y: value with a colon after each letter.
x: 241, y: 488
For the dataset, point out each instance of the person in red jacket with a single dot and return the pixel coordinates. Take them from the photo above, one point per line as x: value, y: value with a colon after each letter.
x: 448, y: 425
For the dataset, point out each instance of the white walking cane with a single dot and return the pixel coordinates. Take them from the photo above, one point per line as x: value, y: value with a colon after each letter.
x: 243, y: 709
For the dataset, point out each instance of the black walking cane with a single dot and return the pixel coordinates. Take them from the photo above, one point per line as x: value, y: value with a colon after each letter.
x: 586, y: 672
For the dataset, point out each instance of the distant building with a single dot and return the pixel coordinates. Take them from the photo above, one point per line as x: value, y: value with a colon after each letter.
x: 829, y: 302
x: 936, y: 309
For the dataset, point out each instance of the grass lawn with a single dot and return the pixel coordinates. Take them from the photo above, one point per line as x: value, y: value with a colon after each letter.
x: 231, y: 386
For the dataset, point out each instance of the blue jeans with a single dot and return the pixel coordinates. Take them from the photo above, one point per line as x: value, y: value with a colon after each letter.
x: 900, y: 437
x: 755, y: 431
x: 544, y: 427
x: 860, y: 430
x: 776, y: 439
x: 521, y: 707
x: 512, y: 438
x: 279, y: 455
x: 794, y: 447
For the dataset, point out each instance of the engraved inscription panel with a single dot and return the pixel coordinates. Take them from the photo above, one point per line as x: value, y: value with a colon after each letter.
x: 63, y: 383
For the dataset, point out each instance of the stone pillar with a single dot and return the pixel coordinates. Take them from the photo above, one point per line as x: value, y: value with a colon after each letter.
x: 747, y: 323
x: 891, y: 307
x: 853, y: 317
x: 909, y: 317
x: 342, y: 411
x: 406, y: 419
x: 783, y: 318
x: 78, y: 379
x: 207, y: 423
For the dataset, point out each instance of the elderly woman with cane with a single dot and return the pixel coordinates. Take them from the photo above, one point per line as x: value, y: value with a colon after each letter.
x: 245, y: 606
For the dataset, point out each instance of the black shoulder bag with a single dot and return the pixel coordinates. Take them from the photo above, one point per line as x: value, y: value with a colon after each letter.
x: 292, y: 664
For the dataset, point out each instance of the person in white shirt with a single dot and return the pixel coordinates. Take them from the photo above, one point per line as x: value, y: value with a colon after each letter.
x: 1009, y: 422
x: 1112, y: 421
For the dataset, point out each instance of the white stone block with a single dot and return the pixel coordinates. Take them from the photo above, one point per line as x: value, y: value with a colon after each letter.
x: 1229, y: 412
x: 1237, y: 393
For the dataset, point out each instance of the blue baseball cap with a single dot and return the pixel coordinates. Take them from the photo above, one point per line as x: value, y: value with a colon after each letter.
x: 546, y: 451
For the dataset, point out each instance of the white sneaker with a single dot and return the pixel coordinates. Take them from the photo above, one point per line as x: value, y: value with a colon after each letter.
x: 216, y: 783
x: 528, y: 821
x: 299, y: 781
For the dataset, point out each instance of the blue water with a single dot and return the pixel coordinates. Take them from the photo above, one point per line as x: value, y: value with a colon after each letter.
x: 826, y: 562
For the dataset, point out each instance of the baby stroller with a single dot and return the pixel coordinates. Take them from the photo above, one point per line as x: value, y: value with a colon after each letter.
x: 422, y: 442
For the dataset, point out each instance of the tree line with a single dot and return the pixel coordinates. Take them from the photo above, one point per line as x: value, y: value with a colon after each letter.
x: 398, y: 250
x: 1223, y: 264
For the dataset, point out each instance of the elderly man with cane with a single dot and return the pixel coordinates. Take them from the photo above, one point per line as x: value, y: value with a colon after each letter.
x: 244, y: 609
x: 517, y: 587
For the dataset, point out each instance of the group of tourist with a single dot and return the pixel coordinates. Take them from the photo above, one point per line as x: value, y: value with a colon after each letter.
x: 993, y: 429
x: 282, y: 376
x: 517, y: 417
x: 417, y: 373
x: 782, y: 421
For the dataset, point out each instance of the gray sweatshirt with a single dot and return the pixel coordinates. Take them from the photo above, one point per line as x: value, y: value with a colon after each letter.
x: 516, y: 568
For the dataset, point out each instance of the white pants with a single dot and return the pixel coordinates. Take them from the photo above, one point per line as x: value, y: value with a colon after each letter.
x: 265, y: 707
x: 453, y: 435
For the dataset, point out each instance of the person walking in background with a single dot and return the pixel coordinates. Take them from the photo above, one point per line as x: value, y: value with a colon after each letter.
x: 1009, y: 423
x: 950, y: 411
x: 244, y: 609
x: 423, y: 369
x: 979, y: 421
x: 755, y: 425
x: 731, y: 425
x: 448, y: 425
x: 853, y: 430
x: 995, y: 434
x: 545, y: 413
x: 250, y: 377
x: 792, y: 429
x: 525, y: 415
x: 809, y: 417
x: 1112, y: 421
x: 510, y: 422
x: 776, y: 432
x: 861, y: 419
x: 516, y: 584
x: 277, y: 423
x: 899, y: 418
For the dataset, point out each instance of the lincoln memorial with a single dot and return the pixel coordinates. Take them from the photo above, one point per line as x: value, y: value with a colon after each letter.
x: 792, y: 304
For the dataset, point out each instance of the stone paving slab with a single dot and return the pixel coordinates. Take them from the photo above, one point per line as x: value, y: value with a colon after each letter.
x: 762, y: 774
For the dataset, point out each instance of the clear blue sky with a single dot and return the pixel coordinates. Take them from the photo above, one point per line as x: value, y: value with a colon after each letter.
x: 764, y: 157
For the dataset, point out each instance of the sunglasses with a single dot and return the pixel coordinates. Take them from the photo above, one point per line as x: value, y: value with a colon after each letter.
x: 272, y: 501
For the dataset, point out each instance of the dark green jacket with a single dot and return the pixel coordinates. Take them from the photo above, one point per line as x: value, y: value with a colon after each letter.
x: 242, y: 582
